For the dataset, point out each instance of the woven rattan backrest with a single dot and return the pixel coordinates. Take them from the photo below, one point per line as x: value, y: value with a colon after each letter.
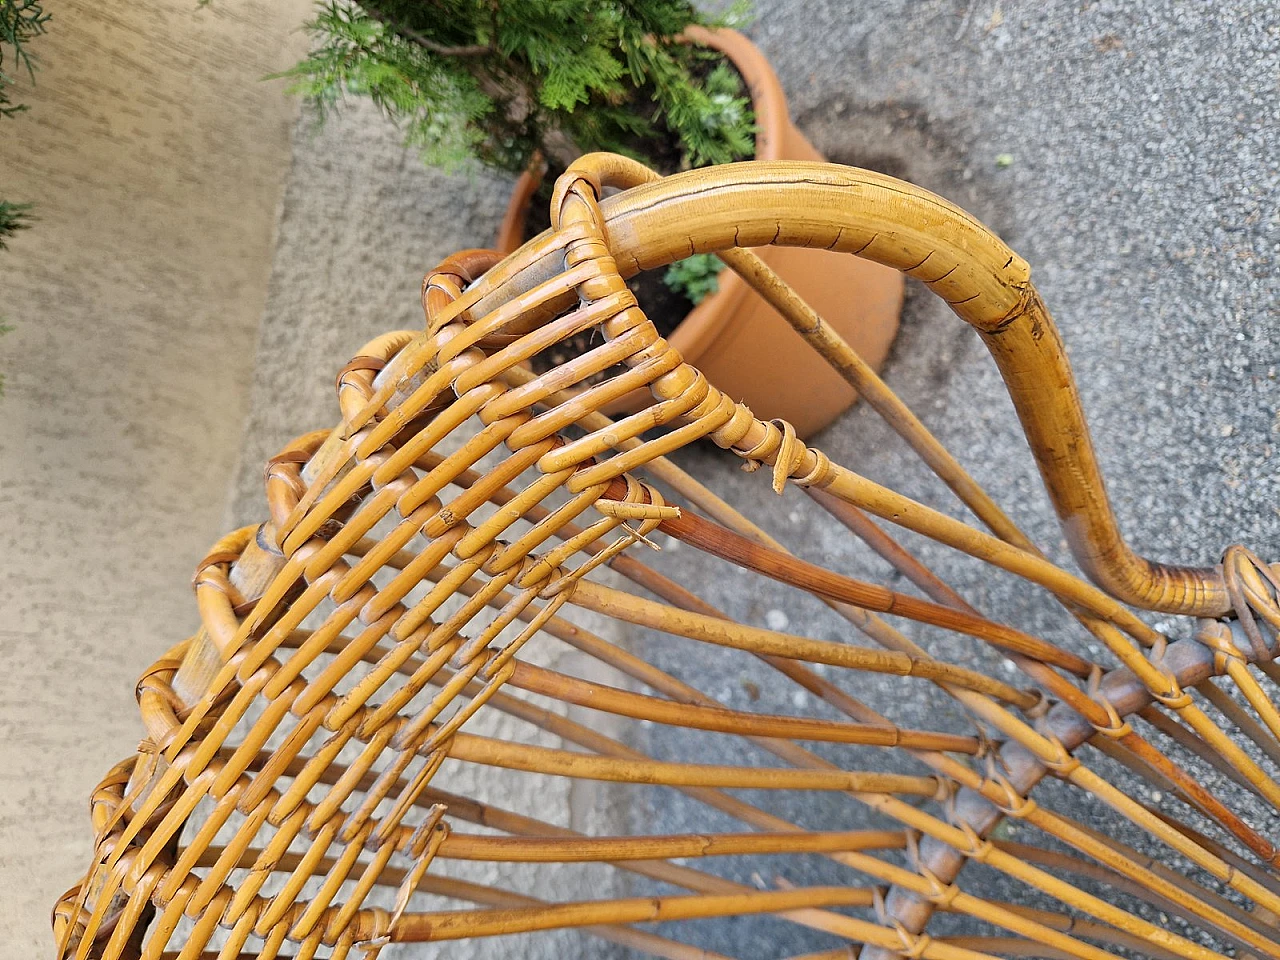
x: 313, y: 780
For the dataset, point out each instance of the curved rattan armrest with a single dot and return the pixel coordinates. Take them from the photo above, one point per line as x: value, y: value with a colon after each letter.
x: 903, y: 226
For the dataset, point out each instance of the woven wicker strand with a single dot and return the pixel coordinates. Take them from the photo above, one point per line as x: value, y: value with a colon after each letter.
x: 296, y: 793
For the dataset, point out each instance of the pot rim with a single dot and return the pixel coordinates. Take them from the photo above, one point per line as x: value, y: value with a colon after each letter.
x: 700, y: 327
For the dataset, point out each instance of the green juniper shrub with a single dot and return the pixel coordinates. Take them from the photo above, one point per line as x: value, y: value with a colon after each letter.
x: 517, y: 85
x: 20, y: 21
x: 13, y: 217
x: 509, y: 82
x: 697, y: 277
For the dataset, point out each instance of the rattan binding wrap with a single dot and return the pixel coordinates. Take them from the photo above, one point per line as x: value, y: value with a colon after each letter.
x: 292, y: 798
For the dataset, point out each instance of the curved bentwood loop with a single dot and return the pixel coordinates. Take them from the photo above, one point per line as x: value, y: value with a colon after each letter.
x: 321, y: 769
x: 959, y: 260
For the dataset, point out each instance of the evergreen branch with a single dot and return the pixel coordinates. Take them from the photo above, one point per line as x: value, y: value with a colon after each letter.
x: 13, y: 217
x: 20, y: 21
x: 500, y: 81
x: 472, y: 50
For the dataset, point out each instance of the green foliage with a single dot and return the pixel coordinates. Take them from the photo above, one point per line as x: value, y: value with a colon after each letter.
x: 697, y: 277
x: 20, y: 21
x: 4, y: 328
x: 13, y: 217
x: 502, y: 82
x: 437, y: 106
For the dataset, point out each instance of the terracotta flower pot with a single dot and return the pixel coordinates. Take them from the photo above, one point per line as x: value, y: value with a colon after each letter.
x: 743, y: 345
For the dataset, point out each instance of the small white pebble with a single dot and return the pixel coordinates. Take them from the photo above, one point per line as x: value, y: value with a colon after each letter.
x: 1008, y: 666
x: 776, y: 620
x: 1156, y: 796
x: 799, y: 699
x: 794, y: 516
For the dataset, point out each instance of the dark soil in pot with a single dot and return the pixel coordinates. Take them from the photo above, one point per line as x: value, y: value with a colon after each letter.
x: 666, y: 308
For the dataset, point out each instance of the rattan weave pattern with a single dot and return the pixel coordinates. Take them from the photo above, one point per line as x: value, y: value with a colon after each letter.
x: 291, y: 797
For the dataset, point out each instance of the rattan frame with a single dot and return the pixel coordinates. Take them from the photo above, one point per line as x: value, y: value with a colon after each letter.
x: 238, y: 788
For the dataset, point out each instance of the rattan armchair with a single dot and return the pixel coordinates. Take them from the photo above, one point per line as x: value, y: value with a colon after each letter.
x: 312, y: 776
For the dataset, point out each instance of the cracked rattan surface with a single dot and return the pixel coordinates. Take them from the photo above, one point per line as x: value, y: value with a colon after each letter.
x: 293, y: 795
